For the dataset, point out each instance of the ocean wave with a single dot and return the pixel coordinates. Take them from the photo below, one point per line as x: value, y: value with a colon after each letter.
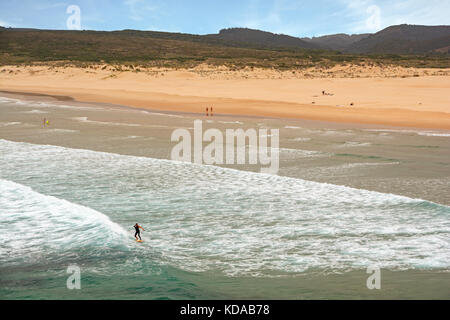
x: 289, y: 153
x: 418, y: 132
x: 206, y: 218
x: 300, y: 139
x: 162, y: 114
x: 62, y: 131
x: 434, y: 134
x: 40, y: 104
x: 86, y: 120
x: 36, y: 227
x: 8, y: 124
x: 231, y: 122
x: 35, y: 111
x: 353, y: 144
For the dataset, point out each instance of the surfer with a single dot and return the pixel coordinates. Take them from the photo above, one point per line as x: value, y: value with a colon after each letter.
x: 138, y: 232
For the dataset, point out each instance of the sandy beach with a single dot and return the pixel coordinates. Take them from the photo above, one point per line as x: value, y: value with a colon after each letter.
x: 382, y: 96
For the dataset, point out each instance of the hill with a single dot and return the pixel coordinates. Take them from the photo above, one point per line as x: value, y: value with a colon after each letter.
x: 261, y: 39
x: 234, y: 48
x: 405, y: 39
x: 339, y: 42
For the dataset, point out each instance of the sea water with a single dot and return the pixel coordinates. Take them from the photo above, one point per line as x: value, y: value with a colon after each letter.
x: 61, y: 206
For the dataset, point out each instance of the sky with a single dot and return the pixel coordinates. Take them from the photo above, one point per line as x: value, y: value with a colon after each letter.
x: 293, y: 17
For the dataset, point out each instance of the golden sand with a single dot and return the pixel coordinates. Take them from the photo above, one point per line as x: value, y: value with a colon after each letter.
x: 373, y: 95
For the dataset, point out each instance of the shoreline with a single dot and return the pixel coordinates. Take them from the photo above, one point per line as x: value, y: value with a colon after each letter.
x: 432, y: 120
x: 423, y: 102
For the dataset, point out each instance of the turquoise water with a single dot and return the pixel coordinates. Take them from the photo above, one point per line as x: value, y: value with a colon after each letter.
x: 206, y: 227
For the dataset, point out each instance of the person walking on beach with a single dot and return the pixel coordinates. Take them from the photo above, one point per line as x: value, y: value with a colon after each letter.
x: 138, y: 232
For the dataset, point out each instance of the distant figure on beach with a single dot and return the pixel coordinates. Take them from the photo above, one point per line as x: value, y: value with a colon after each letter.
x: 211, y: 111
x: 138, y: 232
x: 46, y: 122
x: 207, y: 111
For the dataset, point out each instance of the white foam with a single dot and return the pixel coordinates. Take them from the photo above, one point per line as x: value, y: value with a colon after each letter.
x: 163, y: 114
x: 300, y: 153
x: 62, y: 131
x: 331, y: 132
x: 39, y: 104
x: 353, y: 144
x: 365, y: 164
x: 231, y: 122
x: 34, y: 225
x: 434, y: 134
x: 86, y: 120
x: 35, y: 111
x: 8, y: 100
x: 418, y: 132
x: 300, y: 139
x: 8, y: 124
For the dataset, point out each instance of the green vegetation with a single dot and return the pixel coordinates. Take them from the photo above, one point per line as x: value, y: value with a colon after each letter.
x: 146, y: 49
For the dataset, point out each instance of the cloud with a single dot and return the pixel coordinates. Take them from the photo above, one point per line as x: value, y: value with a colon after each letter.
x: 6, y: 24
x: 295, y: 17
x: 158, y: 29
x: 139, y: 8
x: 373, y: 22
x: 361, y: 15
x: 267, y: 16
x: 48, y: 6
x: 372, y: 15
x: 427, y: 12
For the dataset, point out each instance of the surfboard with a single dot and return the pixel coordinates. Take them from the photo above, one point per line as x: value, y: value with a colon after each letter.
x: 139, y: 241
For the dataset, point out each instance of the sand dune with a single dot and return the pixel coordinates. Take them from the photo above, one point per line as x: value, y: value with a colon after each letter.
x: 388, y: 96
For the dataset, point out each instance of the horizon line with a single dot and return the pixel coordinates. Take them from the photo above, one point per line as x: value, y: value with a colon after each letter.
x: 226, y: 28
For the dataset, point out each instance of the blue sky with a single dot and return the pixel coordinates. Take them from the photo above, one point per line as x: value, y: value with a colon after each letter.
x: 293, y: 17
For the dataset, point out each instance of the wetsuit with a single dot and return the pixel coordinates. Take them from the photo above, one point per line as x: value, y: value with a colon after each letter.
x: 138, y: 232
